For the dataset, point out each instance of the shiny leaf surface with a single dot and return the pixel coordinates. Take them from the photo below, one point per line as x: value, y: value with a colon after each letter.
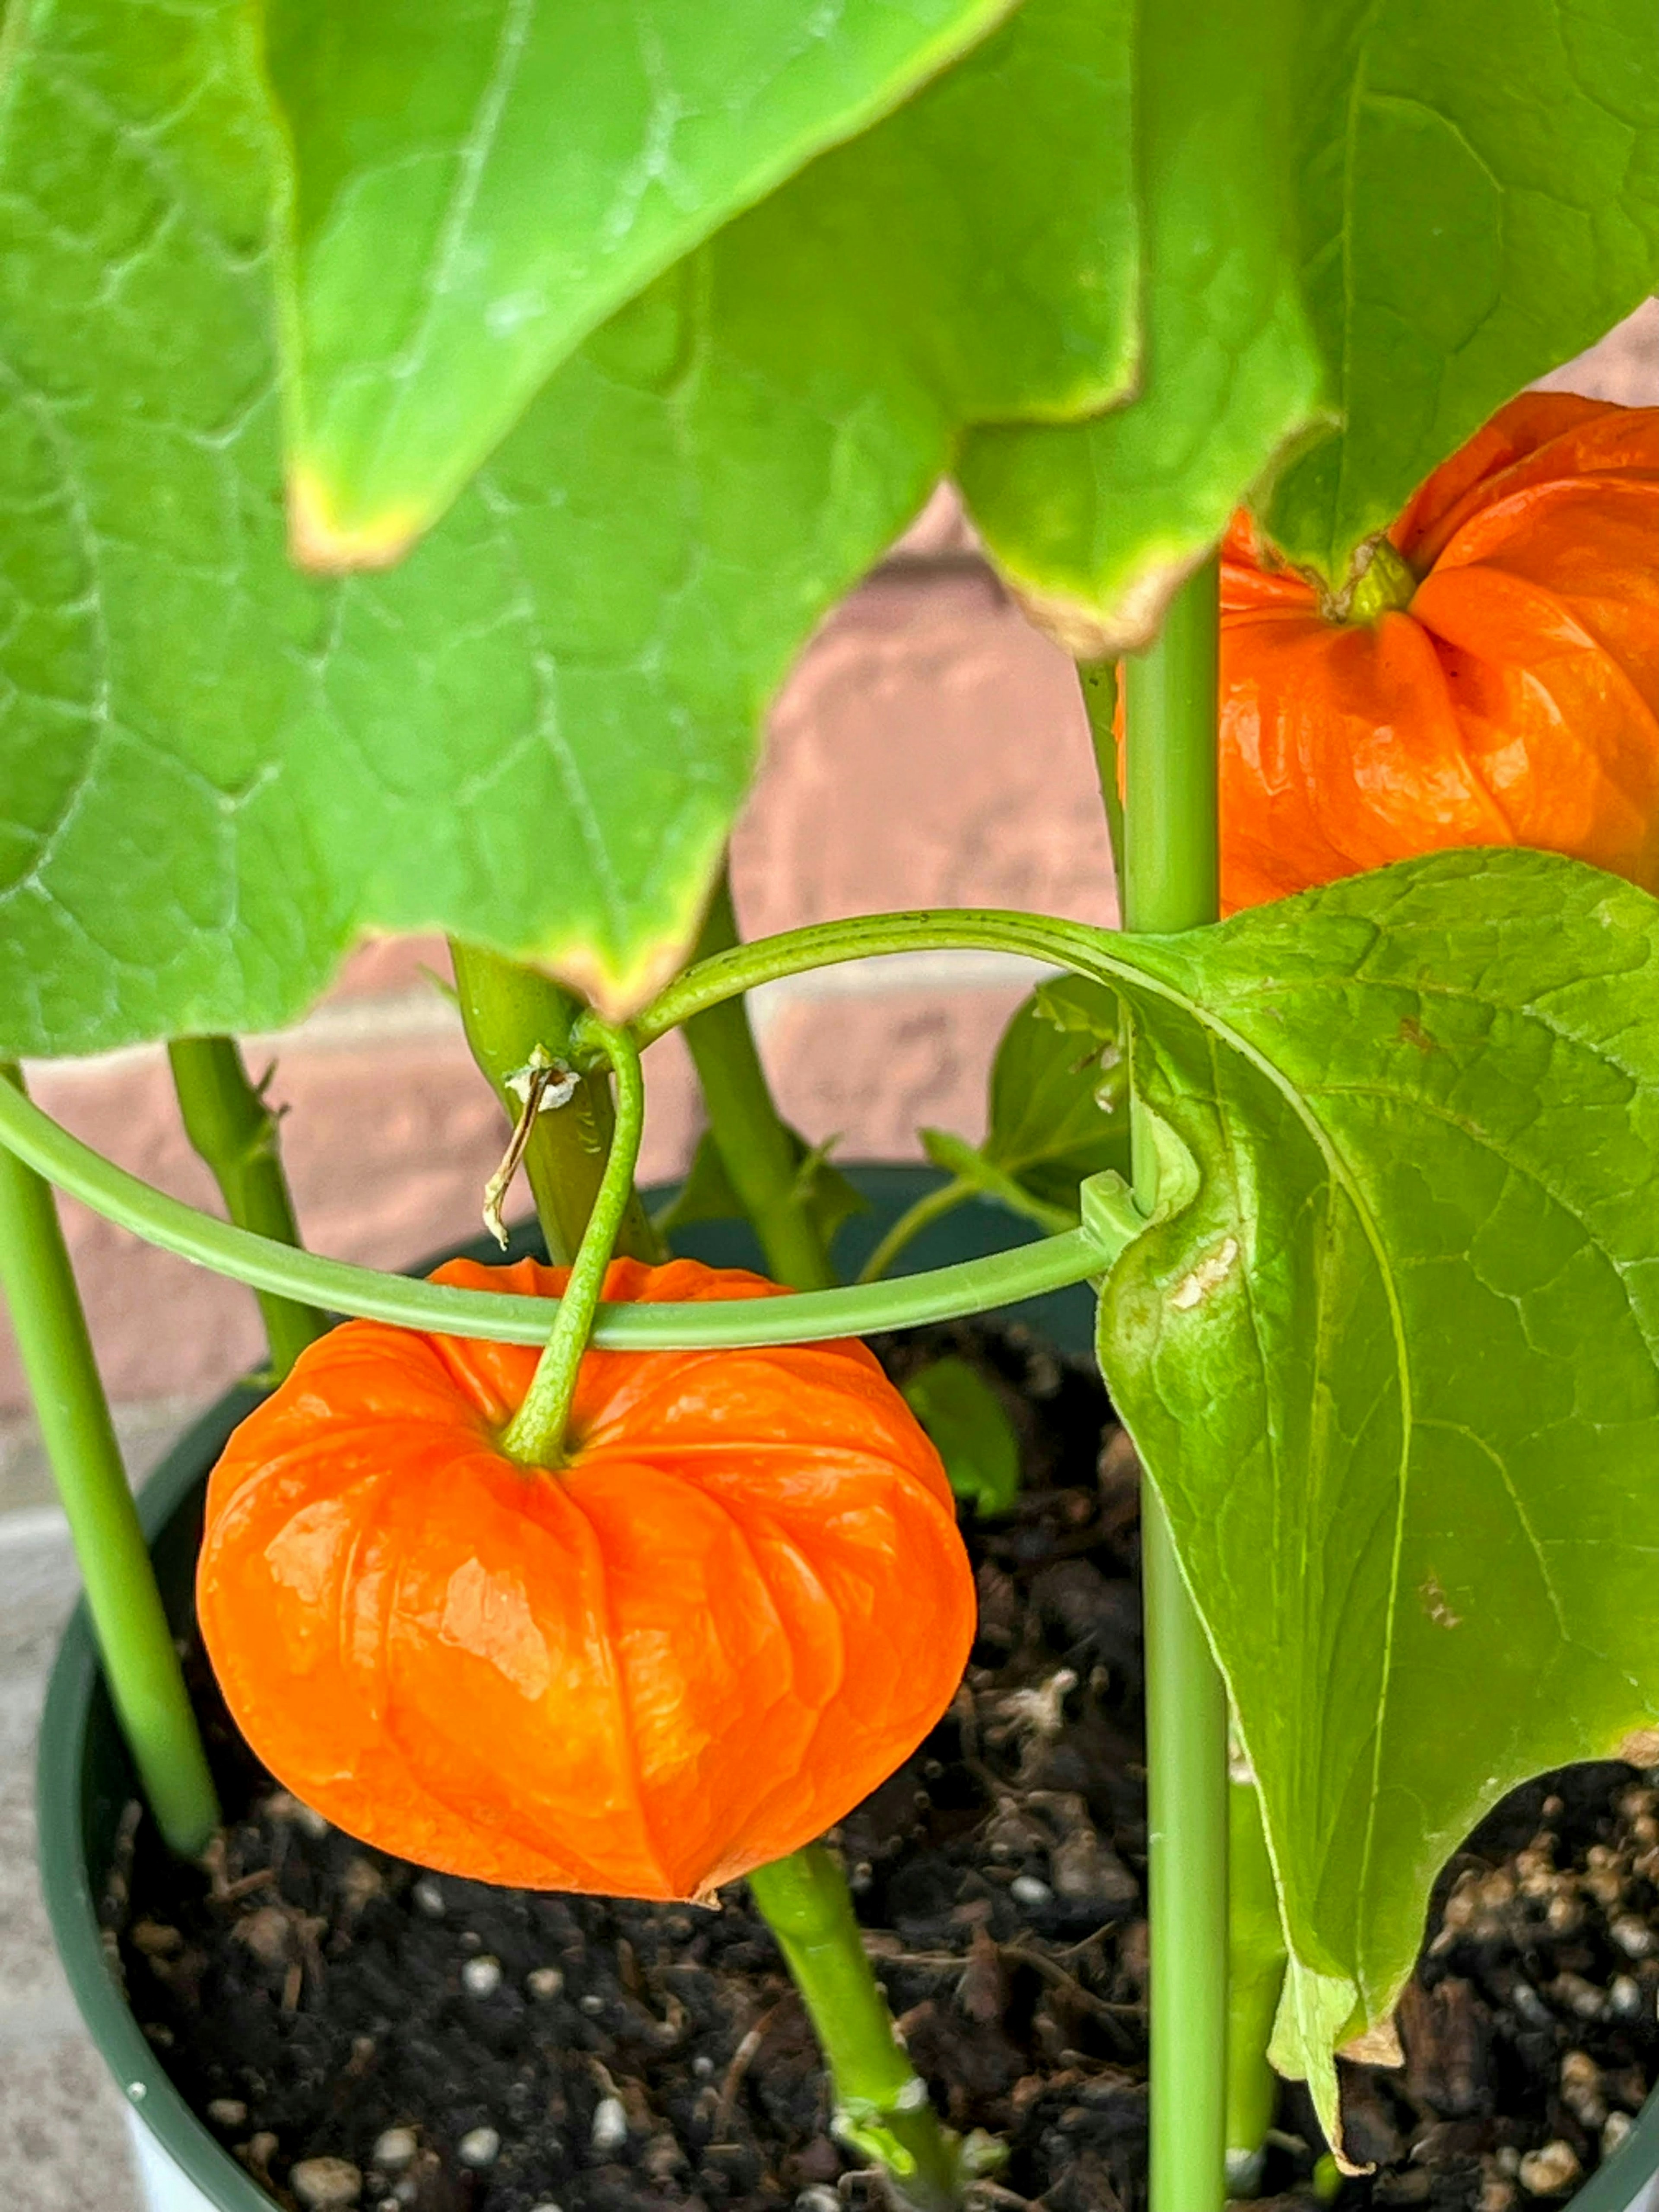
x: 479, y: 186
x: 1096, y: 522
x: 536, y: 730
x: 1478, y: 191
x: 1393, y: 1362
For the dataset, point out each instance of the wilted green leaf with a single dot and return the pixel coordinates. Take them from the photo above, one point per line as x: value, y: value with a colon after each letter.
x: 480, y: 186
x: 970, y: 1432
x: 536, y: 731
x: 1478, y: 196
x: 1394, y: 1366
x: 1096, y: 522
x: 707, y: 1193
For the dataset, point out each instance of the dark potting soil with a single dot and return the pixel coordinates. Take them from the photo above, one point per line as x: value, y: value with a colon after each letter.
x: 358, y: 2032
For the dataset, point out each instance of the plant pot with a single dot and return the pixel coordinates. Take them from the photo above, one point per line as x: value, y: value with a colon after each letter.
x: 85, y: 1779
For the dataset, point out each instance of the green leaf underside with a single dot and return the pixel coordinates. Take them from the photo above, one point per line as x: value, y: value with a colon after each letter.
x: 1096, y: 522
x: 1059, y: 1104
x: 1058, y: 1107
x: 479, y: 187
x: 1385, y: 215
x: 971, y: 1432
x: 1393, y: 1368
x: 707, y: 1193
x: 536, y: 732
x: 1478, y: 188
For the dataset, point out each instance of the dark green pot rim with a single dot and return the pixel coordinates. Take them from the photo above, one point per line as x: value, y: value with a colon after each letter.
x: 76, y: 1707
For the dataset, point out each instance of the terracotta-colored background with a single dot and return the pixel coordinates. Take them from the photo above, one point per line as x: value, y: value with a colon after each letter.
x: 929, y: 749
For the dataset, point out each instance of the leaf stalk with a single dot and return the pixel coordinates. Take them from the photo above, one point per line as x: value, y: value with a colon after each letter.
x: 882, y: 2105
x: 536, y: 1434
x: 234, y: 1130
x: 750, y: 1136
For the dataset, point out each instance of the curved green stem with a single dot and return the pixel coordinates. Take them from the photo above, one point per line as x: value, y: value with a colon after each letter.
x: 535, y: 1435
x: 1074, y: 945
x: 882, y: 2105
x: 933, y: 1206
x: 756, y: 1148
x: 234, y: 1132
x: 1171, y: 880
x: 140, y: 1663
x: 1027, y: 1271
x: 508, y: 1010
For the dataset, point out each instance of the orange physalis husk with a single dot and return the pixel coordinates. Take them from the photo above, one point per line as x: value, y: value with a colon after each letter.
x: 1515, y: 701
x: 739, y: 1606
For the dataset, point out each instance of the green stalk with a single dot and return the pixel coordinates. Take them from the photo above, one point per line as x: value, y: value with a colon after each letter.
x: 140, y: 1663
x: 882, y: 2105
x: 535, y: 1435
x: 508, y: 1011
x: 933, y: 1206
x: 1172, y: 881
x: 234, y: 1130
x: 756, y: 1149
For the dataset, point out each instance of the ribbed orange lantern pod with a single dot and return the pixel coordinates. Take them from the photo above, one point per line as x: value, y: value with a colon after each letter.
x: 1495, y: 682
x: 736, y: 1608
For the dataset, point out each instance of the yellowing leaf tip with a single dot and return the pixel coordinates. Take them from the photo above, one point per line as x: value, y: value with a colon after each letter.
x: 319, y: 542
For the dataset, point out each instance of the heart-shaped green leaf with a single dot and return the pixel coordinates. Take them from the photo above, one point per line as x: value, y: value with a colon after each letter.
x: 478, y: 187
x: 1095, y: 523
x: 1394, y: 1366
x: 1479, y: 200
x: 536, y: 730
x: 1368, y: 225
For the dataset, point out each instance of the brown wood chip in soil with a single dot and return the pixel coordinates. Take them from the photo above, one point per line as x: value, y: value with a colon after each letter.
x: 313, y: 1999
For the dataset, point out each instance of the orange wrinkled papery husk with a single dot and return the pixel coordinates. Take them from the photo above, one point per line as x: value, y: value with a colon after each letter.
x: 1516, y: 701
x: 740, y: 1606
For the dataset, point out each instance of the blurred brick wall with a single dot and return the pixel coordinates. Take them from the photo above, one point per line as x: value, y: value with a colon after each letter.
x: 929, y: 750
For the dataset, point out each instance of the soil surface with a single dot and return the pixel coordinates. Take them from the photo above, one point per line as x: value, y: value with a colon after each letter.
x: 357, y: 2032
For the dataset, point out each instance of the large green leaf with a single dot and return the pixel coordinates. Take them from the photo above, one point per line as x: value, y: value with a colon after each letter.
x: 1392, y: 1360
x: 1096, y: 522
x: 1370, y: 222
x: 536, y: 730
x: 479, y: 186
x: 1478, y: 188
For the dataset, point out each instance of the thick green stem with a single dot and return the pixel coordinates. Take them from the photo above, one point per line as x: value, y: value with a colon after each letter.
x: 1098, y: 681
x: 882, y: 2105
x: 140, y: 1663
x: 759, y: 1155
x: 1170, y: 881
x: 229, y: 1124
x: 933, y: 1206
x: 507, y: 1011
x: 535, y: 1435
